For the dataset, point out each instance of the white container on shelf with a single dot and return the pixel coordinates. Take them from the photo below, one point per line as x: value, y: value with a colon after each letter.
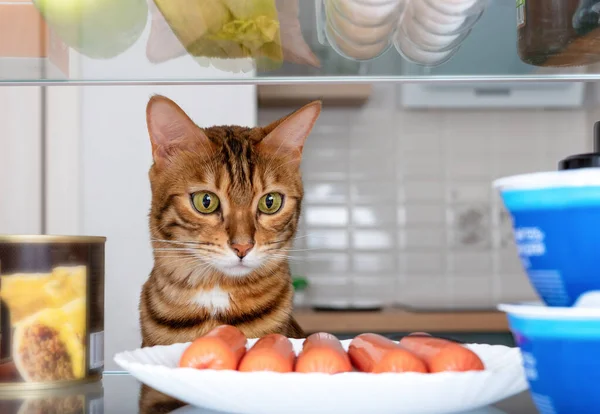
x: 353, y: 51
x: 428, y: 41
x: 431, y: 31
x: 356, y: 33
x: 369, y: 14
x: 416, y: 54
x: 436, y: 21
x: 453, y: 6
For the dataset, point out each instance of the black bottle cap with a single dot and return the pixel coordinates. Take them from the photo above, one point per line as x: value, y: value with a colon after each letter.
x: 589, y: 160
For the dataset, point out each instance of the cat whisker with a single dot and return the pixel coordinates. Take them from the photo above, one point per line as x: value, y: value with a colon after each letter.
x: 194, y: 264
x: 279, y: 258
x: 183, y: 258
x: 303, y: 250
x: 204, y: 249
x: 275, y: 242
x: 200, y: 271
x: 179, y: 262
x: 283, y: 241
x: 187, y: 253
x: 279, y: 253
x: 268, y: 261
x: 191, y: 251
x: 175, y: 252
x: 272, y: 249
x: 283, y: 256
x: 309, y: 235
x: 183, y: 242
x: 174, y: 249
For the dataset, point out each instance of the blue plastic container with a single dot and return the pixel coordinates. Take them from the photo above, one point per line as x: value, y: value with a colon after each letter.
x: 556, y: 223
x: 561, y: 358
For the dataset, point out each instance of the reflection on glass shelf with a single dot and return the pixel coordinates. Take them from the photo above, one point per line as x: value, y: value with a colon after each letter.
x: 264, y: 41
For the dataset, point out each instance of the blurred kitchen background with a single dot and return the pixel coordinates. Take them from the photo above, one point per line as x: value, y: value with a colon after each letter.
x: 401, y: 229
x: 399, y: 206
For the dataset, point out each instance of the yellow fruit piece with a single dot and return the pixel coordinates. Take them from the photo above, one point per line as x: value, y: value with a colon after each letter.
x: 70, y: 323
x: 227, y: 29
x: 75, y: 315
x: 192, y: 19
x: 26, y: 294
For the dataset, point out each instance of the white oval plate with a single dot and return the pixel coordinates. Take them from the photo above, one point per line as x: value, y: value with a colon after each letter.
x: 350, y: 393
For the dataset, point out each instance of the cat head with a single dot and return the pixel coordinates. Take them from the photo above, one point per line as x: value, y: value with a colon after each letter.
x: 226, y: 198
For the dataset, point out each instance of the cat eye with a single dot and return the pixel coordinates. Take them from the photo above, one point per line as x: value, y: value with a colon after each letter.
x: 205, y: 202
x: 270, y: 203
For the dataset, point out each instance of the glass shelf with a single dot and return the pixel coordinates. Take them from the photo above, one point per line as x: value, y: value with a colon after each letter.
x: 31, y: 53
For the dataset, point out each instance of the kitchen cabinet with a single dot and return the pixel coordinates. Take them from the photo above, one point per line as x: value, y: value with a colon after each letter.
x: 340, y: 95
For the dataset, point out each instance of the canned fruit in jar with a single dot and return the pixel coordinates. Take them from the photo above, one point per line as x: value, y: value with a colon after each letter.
x: 51, y: 312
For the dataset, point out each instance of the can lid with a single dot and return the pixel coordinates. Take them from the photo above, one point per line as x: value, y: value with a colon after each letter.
x: 48, y: 238
x: 589, y: 160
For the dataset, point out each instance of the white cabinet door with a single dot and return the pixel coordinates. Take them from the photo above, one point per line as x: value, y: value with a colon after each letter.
x: 99, y: 179
x: 20, y: 160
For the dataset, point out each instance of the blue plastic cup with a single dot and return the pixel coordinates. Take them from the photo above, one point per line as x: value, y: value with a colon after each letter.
x: 560, y: 356
x: 556, y: 223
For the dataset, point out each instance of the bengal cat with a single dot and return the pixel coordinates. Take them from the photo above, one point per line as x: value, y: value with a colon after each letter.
x: 225, y: 207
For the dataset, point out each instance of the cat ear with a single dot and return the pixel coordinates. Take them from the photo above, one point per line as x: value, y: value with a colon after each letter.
x: 171, y: 130
x: 287, y: 135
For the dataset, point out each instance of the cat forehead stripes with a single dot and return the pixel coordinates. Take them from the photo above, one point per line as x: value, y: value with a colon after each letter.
x: 238, y: 159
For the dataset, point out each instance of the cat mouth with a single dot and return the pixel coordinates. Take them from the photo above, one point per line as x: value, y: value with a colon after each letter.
x: 239, y: 269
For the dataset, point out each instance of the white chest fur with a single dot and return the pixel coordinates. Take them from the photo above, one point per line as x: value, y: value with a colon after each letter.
x: 215, y: 299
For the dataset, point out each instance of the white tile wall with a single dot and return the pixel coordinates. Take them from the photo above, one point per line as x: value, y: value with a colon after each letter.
x: 399, y: 208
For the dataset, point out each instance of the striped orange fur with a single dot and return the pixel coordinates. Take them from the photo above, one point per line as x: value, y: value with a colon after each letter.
x: 230, y: 265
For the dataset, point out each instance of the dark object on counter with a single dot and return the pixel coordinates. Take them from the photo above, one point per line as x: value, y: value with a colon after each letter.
x: 79, y: 399
x: 558, y: 33
x: 333, y: 309
x: 589, y: 160
x: 52, y: 311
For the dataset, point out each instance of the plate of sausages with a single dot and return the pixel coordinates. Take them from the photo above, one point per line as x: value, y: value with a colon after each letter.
x: 420, y: 374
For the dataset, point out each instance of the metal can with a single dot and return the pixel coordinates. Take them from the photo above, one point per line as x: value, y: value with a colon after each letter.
x: 51, y: 310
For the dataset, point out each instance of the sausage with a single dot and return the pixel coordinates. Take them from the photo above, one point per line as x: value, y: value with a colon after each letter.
x: 220, y: 349
x: 273, y: 352
x: 323, y: 352
x: 442, y: 355
x: 376, y: 354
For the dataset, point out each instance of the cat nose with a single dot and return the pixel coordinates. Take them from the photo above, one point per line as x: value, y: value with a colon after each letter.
x: 242, y: 249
